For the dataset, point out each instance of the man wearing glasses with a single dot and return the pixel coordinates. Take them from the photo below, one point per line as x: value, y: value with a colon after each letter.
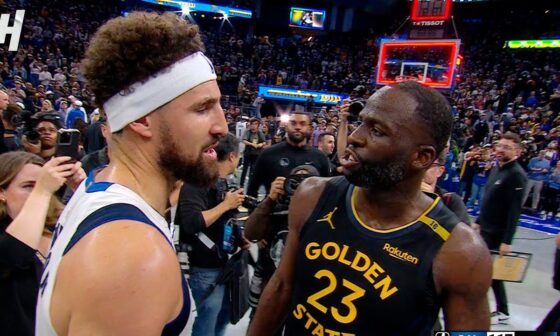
x: 501, y: 209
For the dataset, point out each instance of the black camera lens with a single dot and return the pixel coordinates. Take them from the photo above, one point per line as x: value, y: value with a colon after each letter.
x: 250, y: 202
x: 32, y: 136
x: 356, y: 107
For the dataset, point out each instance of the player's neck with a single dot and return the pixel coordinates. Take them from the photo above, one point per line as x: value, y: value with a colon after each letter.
x: 392, y: 209
x: 140, y: 175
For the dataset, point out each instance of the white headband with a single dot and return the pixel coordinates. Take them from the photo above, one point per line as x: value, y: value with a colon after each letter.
x: 168, y: 84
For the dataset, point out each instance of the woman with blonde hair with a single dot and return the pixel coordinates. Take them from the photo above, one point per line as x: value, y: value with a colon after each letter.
x: 28, y: 214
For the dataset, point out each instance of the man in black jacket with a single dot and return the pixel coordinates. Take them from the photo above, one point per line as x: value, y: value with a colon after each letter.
x: 501, y: 209
x: 274, y: 164
x: 202, y: 215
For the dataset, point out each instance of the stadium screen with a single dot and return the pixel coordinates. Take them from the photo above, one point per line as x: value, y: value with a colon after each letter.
x: 307, y: 18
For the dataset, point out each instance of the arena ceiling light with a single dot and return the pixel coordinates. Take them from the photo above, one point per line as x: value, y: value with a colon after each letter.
x: 533, y: 44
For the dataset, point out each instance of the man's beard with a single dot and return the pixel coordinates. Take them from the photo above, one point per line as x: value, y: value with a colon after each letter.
x: 297, y: 139
x: 378, y: 176
x: 198, y: 172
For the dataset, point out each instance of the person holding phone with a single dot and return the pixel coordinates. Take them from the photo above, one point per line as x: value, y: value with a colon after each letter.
x: 28, y: 213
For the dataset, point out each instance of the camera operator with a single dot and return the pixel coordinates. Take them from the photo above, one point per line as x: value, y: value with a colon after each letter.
x: 202, y: 219
x: 274, y: 164
x: 41, y: 140
x: 9, y: 115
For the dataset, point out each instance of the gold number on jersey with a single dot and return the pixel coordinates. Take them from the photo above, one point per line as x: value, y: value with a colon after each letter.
x: 347, y: 301
x: 312, y: 300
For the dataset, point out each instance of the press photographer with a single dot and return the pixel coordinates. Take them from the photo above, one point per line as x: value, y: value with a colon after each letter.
x: 40, y: 134
x: 267, y: 224
x: 205, y: 217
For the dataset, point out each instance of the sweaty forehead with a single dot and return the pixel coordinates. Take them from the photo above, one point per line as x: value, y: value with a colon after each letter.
x: 394, y: 99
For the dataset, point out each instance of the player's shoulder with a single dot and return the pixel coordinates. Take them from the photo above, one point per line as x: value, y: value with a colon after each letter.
x: 313, y: 186
x: 122, y: 265
x: 120, y: 251
x: 463, y: 260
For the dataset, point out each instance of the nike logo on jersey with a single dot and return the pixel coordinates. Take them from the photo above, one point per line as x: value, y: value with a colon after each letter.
x: 328, y: 218
x: 519, y: 188
x: 498, y: 182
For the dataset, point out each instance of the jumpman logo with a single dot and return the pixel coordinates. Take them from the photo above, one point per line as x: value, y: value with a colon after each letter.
x: 328, y: 218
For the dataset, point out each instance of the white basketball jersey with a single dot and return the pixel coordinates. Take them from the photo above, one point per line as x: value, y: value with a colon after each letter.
x: 88, y: 198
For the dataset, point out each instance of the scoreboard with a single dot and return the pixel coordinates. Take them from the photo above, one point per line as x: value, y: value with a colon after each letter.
x: 431, y: 10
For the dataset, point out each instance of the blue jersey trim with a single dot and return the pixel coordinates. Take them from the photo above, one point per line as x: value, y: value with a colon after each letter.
x: 92, y: 186
x: 109, y: 213
x: 175, y: 327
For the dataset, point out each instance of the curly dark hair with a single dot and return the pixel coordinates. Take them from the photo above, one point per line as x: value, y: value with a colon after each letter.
x: 126, y: 50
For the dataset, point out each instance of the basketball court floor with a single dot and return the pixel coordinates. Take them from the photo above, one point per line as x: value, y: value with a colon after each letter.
x: 529, y: 301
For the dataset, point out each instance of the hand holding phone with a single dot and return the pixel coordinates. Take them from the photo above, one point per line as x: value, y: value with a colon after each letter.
x: 68, y: 143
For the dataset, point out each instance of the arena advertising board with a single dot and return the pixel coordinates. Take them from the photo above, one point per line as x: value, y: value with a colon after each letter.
x: 203, y: 7
x: 326, y: 98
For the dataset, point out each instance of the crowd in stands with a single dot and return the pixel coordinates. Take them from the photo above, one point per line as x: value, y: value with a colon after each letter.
x: 42, y: 90
x: 498, y: 89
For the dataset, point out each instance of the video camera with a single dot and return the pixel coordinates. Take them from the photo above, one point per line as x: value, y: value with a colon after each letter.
x: 357, y: 102
x: 297, y: 175
x: 28, y: 127
x: 29, y: 122
x: 223, y: 187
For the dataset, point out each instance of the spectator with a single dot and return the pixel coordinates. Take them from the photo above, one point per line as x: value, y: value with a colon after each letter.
x: 552, y: 192
x: 28, y: 213
x: 267, y: 134
x: 254, y: 141
x: 45, y: 76
x: 75, y: 112
x: 483, y: 166
x: 4, y: 101
x: 539, y: 168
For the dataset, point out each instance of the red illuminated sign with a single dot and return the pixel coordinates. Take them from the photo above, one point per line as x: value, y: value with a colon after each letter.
x: 431, y: 10
x: 431, y: 62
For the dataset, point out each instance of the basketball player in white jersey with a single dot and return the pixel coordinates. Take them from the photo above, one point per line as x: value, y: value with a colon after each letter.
x: 112, y: 269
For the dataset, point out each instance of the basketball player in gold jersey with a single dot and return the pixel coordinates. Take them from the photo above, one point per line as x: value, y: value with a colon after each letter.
x: 371, y: 254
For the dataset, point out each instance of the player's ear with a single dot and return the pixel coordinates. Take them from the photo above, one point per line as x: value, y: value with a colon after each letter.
x: 424, y: 156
